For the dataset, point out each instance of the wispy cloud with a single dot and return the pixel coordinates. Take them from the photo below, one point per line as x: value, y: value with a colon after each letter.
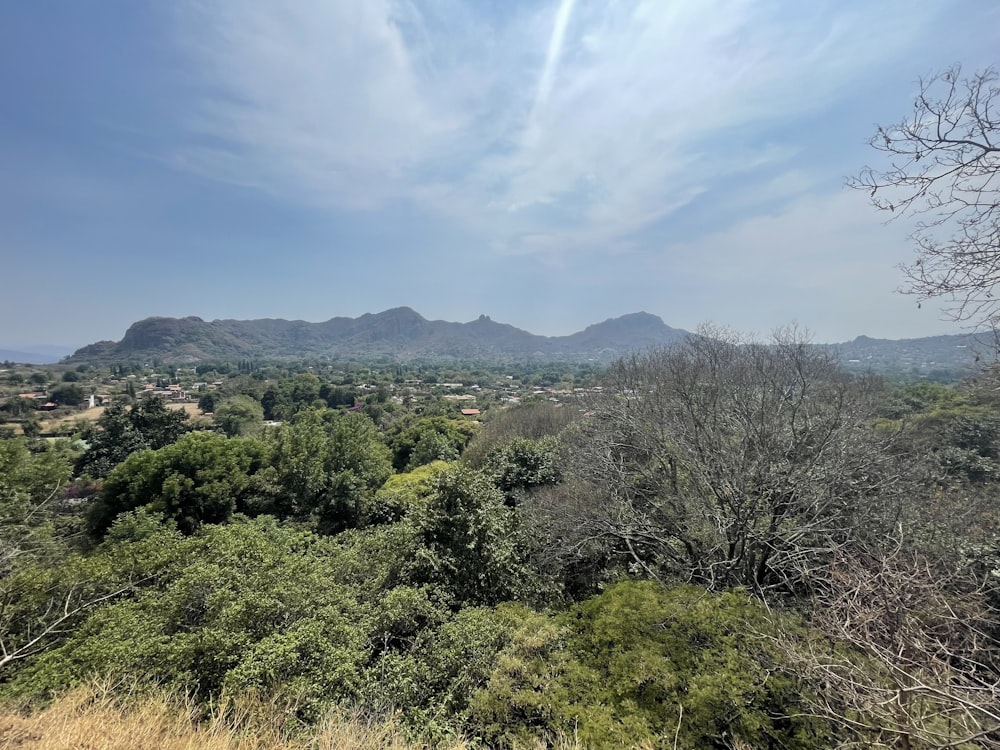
x: 552, y: 57
x: 552, y: 128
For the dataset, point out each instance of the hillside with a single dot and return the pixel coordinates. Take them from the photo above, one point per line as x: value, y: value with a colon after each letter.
x: 400, y: 333
x: 935, y: 357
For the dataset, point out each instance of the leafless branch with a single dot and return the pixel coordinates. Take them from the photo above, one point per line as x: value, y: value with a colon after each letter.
x: 943, y: 165
x: 909, y: 656
x: 730, y: 463
x: 59, y: 615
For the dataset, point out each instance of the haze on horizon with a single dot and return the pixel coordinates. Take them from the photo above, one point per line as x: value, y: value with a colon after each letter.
x: 550, y: 163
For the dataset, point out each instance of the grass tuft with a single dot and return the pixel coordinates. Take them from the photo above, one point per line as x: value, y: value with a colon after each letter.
x: 108, y: 715
x: 104, y: 717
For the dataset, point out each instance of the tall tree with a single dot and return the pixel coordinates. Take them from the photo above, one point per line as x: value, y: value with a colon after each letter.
x: 121, y: 431
x: 202, y: 478
x: 729, y: 463
x: 325, y: 466
x: 471, y: 539
x: 239, y: 415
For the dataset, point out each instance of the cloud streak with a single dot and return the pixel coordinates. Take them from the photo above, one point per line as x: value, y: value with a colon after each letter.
x: 545, y: 81
x: 565, y: 132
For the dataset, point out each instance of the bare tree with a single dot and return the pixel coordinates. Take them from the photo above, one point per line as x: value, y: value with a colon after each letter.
x: 729, y: 463
x: 943, y: 168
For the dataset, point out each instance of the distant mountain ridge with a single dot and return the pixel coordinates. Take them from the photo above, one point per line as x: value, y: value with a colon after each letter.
x: 400, y: 333
x: 946, y: 357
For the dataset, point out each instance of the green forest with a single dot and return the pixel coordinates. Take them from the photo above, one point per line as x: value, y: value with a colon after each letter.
x: 723, y: 544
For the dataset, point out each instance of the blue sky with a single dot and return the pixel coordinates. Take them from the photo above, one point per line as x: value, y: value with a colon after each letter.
x: 550, y: 164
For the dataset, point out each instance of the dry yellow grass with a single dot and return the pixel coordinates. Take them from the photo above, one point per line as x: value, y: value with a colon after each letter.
x: 92, y: 415
x: 191, y: 409
x: 96, y: 718
x: 106, y: 716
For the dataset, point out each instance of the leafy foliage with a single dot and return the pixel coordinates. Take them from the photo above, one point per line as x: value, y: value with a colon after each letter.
x: 324, y: 467
x: 530, y: 421
x: 254, y: 605
x: 67, y: 394
x: 429, y: 439
x: 404, y: 493
x: 638, y: 665
x: 858, y: 523
x: 202, y: 478
x: 32, y: 524
x: 471, y: 540
x: 239, y: 415
x: 521, y: 464
x: 122, y: 431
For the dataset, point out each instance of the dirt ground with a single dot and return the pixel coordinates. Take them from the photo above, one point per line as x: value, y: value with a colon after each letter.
x: 91, y: 415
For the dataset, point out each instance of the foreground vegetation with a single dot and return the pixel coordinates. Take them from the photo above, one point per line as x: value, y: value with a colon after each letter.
x: 110, y: 717
x: 724, y: 545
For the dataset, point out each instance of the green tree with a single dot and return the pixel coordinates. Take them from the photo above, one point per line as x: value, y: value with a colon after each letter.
x: 244, y: 606
x: 531, y: 421
x: 431, y: 446
x: 292, y: 396
x: 260, y: 606
x: 429, y: 439
x: 208, y: 400
x: 335, y: 396
x: 31, y: 486
x: 68, y: 394
x: 239, y: 415
x: 325, y: 466
x: 121, y: 431
x: 201, y: 478
x: 644, y: 666
x: 18, y: 407
x: 523, y: 464
x: 404, y: 493
x: 472, y: 540
x: 158, y: 424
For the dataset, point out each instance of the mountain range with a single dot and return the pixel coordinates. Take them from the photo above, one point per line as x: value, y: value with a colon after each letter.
x: 402, y: 334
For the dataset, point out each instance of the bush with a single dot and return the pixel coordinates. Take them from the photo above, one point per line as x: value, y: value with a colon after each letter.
x: 639, y: 664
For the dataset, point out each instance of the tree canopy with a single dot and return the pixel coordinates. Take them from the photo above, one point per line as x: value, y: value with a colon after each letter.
x: 123, y: 430
x: 201, y: 478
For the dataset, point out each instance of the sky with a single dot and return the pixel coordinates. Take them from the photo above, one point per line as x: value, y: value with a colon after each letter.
x: 549, y: 163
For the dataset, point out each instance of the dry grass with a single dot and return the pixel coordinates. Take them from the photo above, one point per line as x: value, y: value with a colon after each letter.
x: 104, y: 716
x: 92, y: 415
x: 81, y: 415
x: 191, y: 408
x: 97, y: 718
